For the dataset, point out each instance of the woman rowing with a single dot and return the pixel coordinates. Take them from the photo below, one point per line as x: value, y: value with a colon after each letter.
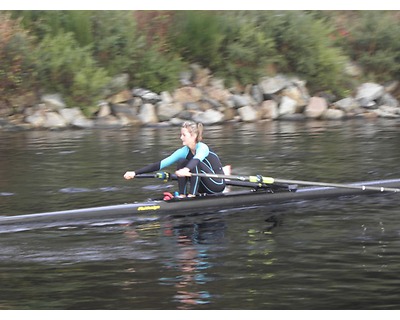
x: 194, y: 157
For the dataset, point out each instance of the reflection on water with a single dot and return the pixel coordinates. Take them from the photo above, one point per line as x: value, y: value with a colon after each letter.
x: 190, y: 262
x: 321, y: 254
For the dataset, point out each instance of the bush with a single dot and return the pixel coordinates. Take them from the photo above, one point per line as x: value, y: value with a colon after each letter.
x: 116, y: 42
x: 374, y: 42
x: 248, y: 51
x: 197, y: 37
x: 157, y: 71
x: 307, y: 49
x: 15, y: 58
x: 64, y: 67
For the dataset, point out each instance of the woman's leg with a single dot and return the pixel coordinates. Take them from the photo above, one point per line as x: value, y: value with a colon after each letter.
x: 182, y: 181
x: 211, y: 164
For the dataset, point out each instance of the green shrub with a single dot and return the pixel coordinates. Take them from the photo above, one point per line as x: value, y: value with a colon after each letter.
x: 197, y: 36
x: 157, y: 71
x: 64, y: 67
x: 116, y: 43
x: 15, y: 58
x: 305, y: 43
x: 374, y: 42
x: 247, y: 50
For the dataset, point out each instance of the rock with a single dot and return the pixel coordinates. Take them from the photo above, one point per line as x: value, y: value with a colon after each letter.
x: 71, y: 114
x: 209, y: 117
x: 248, y: 114
x: 124, y: 110
x: 315, y: 108
x: 166, y: 97
x: 82, y: 123
x: 241, y: 100
x: 297, y: 94
x: 36, y: 119
x: 390, y: 109
x: 287, y: 106
x: 367, y: 93
x: 217, y: 94
x: 269, y: 110
x: 214, y: 104
x: 187, y: 94
x: 271, y: 85
x: 388, y: 100
x: 218, y: 84
x: 347, y: 104
x: 147, y: 114
x: 146, y: 95
x: 166, y: 111
x: 185, y: 78
x: 120, y: 97
x: 388, y: 112
x: 104, y: 110
x: 256, y: 94
x: 54, y: 120
x: 333, y: 114
x: 53, y: 102
x: 229, y: 114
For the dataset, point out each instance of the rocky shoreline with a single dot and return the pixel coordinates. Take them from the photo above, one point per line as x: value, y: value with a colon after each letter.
x: 202, y: 98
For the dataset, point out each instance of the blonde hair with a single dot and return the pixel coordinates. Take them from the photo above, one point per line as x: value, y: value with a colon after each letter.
x: 194, y: 128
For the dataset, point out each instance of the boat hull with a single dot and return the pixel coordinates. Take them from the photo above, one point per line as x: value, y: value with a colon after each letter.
x: 125, y: 213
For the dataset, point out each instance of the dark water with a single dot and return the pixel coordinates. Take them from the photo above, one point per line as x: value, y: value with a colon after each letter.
x: 326, y: 254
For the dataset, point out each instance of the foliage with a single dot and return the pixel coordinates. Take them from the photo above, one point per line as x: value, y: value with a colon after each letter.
x: 16, y: 63
x: 158, y: 71
x: 197, y: 37
x: 307, y: 48
x: 374, y: 41
x: 247, y: 50
x: 74, y: 52
x: 116, y: 42
x: 70, y: 70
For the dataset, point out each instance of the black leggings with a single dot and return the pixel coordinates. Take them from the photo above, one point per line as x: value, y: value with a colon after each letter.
x: 198, y: 185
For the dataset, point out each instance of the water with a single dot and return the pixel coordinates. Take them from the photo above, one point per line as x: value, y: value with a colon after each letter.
x: 325, y: 254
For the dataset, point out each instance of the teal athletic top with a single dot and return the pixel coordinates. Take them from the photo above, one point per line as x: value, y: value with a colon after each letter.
x: 202, y: 152
x: 203, y: 161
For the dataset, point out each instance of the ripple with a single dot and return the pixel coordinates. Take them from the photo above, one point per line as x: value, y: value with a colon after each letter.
x: 6, y: 194
x: 75, y: 190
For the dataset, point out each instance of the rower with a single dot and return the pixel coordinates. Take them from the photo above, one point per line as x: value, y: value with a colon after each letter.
x: 194, y: 157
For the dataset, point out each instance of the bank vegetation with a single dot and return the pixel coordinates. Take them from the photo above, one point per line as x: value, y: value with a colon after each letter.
x: 79, y: 54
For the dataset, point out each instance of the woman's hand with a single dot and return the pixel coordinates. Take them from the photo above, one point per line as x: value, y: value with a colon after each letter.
x: 184, y: 172
x: 129, y: 175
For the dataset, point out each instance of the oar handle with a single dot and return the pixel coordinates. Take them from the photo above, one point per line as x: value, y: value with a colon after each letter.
x: 165, y: 176
x: 145, y: 175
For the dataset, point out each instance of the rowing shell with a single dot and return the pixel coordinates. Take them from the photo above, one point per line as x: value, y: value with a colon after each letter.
x: 125, y: 213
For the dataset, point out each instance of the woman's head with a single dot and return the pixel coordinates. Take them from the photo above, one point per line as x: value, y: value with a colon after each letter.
x: 194, y: 129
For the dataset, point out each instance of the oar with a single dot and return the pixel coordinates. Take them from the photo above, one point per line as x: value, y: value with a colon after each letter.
x: 166, y: 176
x: 269, y: 180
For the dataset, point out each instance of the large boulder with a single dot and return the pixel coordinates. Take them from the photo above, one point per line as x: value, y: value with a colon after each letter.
x: 316, y: 108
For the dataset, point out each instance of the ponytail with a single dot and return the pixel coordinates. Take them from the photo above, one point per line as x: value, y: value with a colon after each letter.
x: 194, y: 128
x: 199, y: 132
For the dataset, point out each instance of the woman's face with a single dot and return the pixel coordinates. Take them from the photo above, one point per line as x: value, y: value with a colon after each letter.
x: 188, y: 139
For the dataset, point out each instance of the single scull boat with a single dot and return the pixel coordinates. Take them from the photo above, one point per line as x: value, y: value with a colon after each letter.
x: 262, y: 192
